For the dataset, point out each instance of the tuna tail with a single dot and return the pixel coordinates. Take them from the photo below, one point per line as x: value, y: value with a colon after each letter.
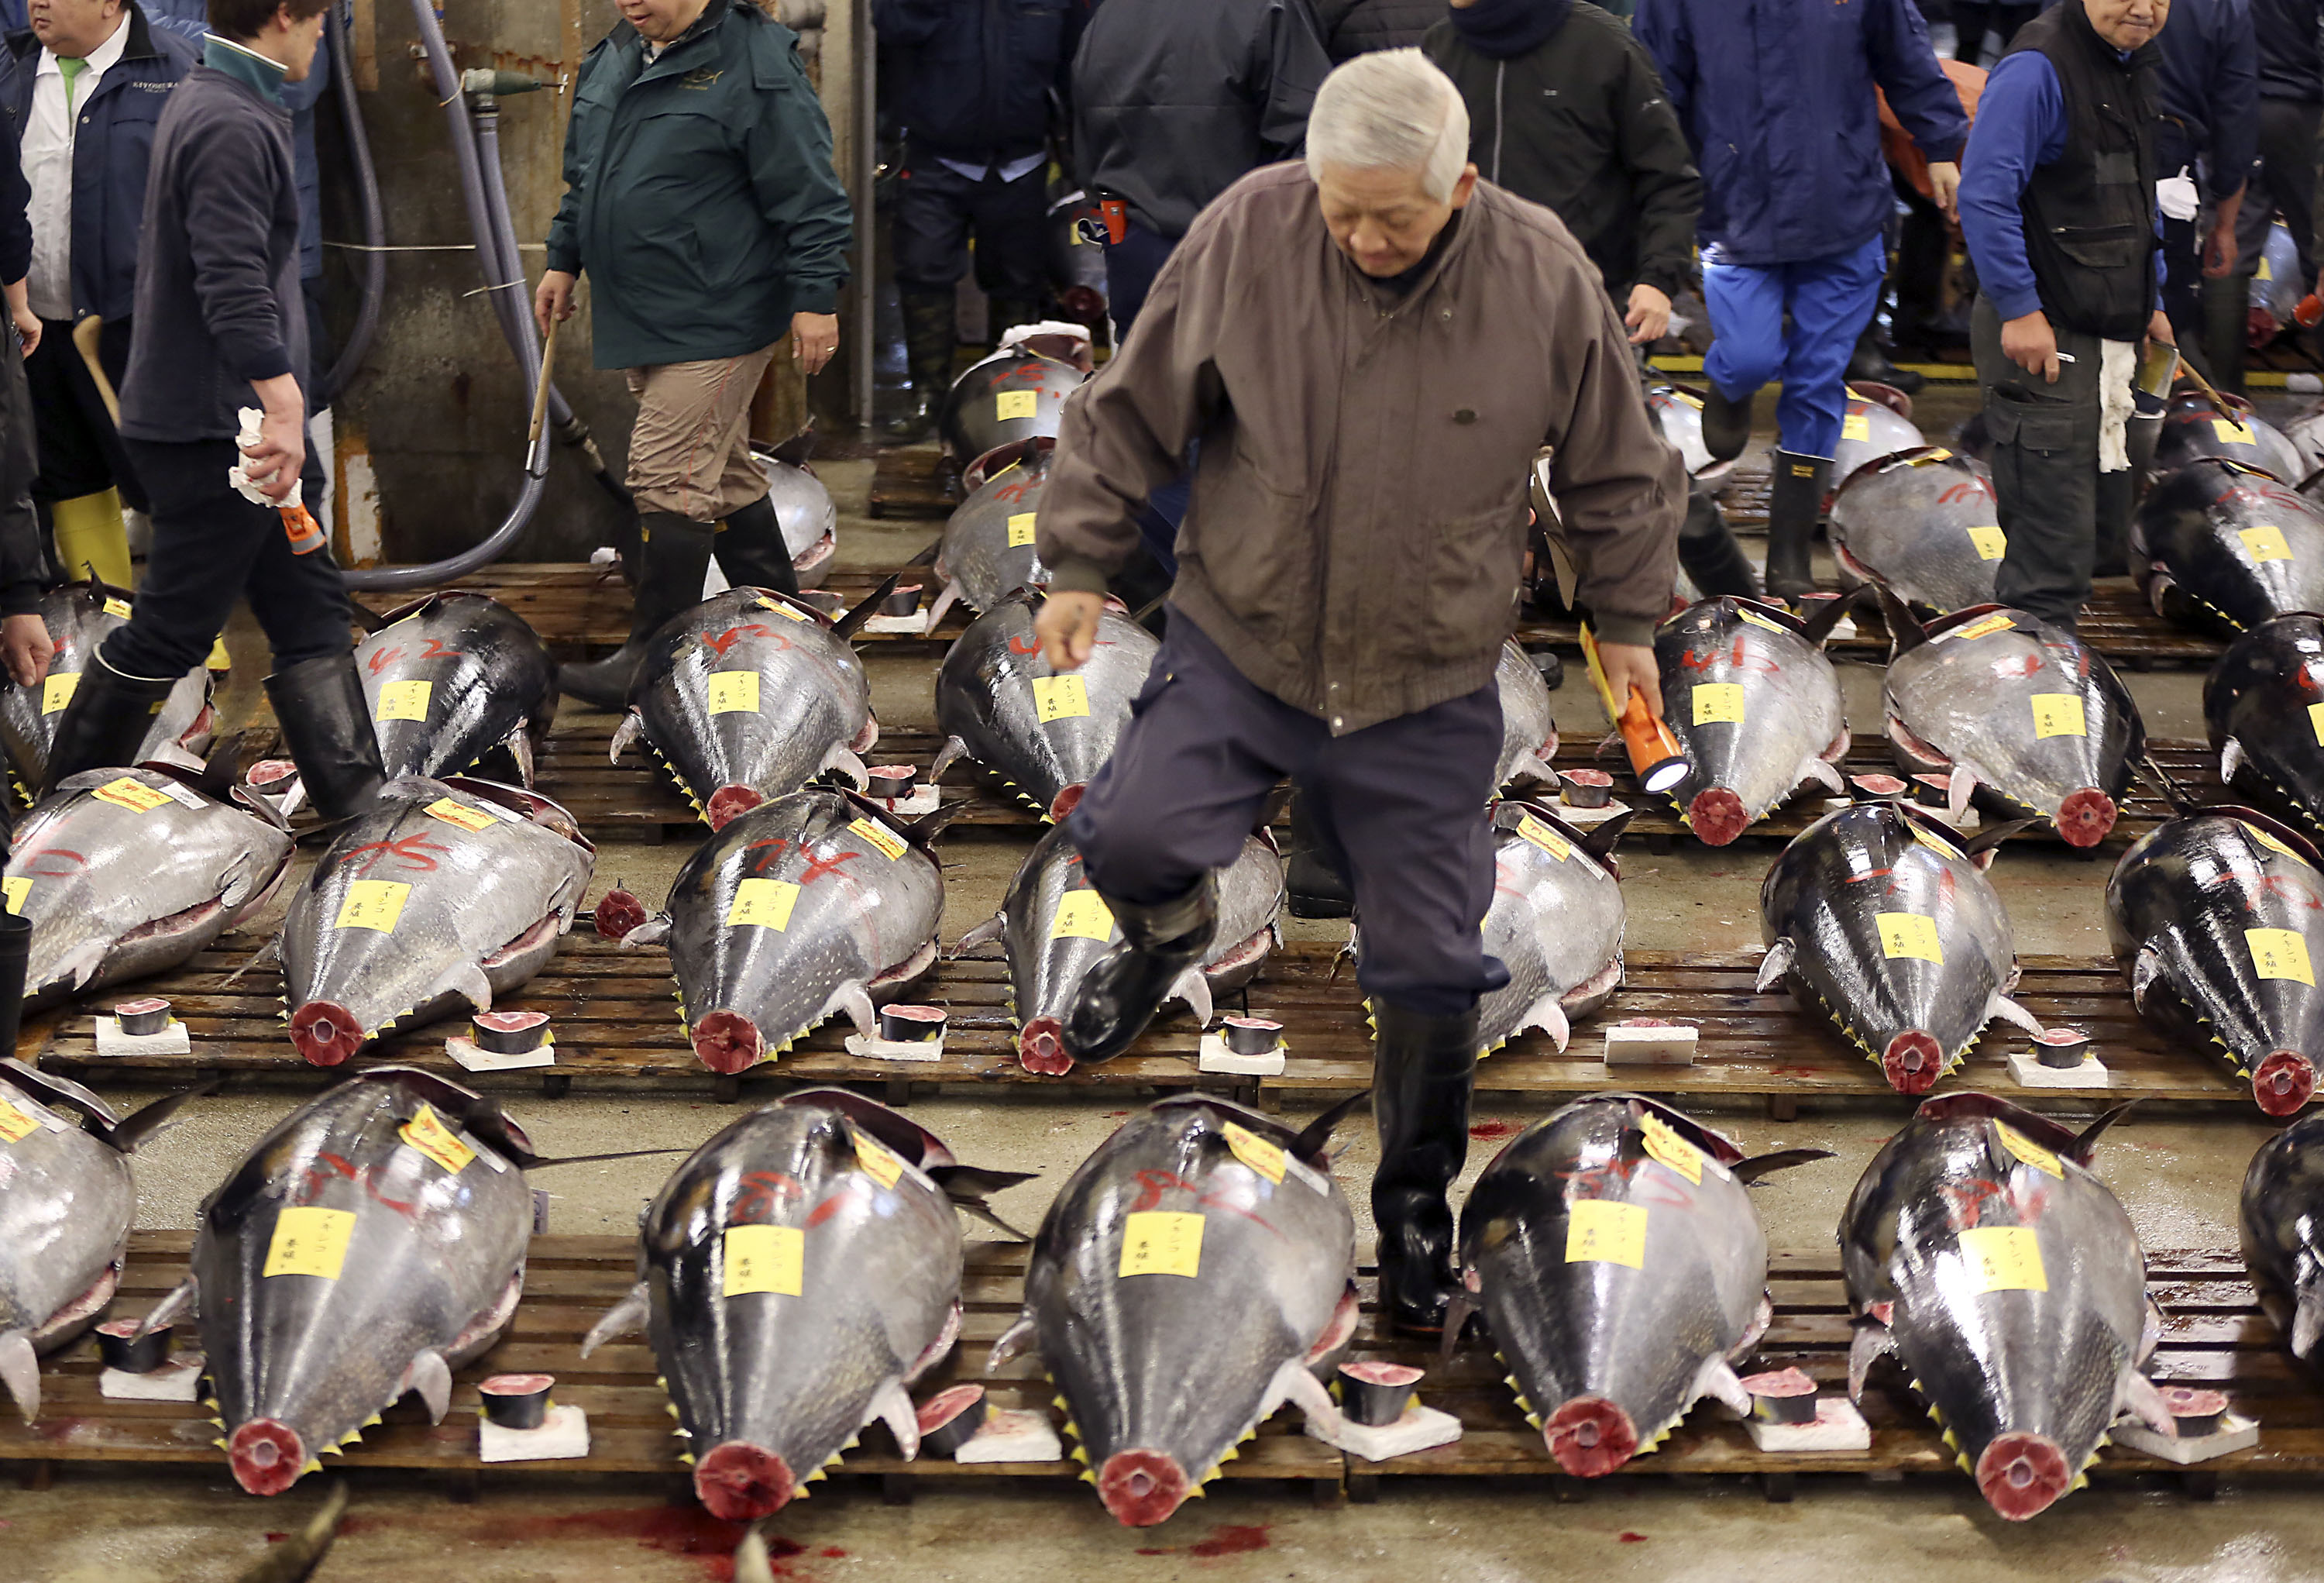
x: 2086, y: 1142
x: 625, y: 1318
x: 1309, y: 1145
x: 1870, y: 1340
x: 1774, y: 965
x: 1905, y: 632
x: 849, y: 624
x: 20, y: 1372
x: 1749, y: 1171
x: 966, y: 1186
x: 1818, y: 628
x: 296, y: 1558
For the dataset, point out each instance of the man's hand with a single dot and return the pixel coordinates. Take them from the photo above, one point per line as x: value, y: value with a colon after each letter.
x: 2159, y: 331
x: 1648, y: 319
x: 814, y: 336
x: 20, y: 313
x: 553, y: 302
x: 1067, y: 629
x: 2029, y: 342
x: 25, y: 644
x: 2219, y: 246
x: 1629, y: 665
x: 273, y: 463
x: 1944, y: 187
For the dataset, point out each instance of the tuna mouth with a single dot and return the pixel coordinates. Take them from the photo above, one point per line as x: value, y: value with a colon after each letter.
x: 1141, y: 1488
x: 1590, y: 1437
x: 2284, y: 1082
x: 741, y: 1482
x: 2021, y: 1475
x: 2085, y: 817
x: 1717, y: 816
x: 1041, y: 1048
x: 325, y: 1032
x: 1065, y: 802
x: 728, y: 1042
x: 267, y: 1456
x: 1912, y: 1063
x: 729, y: 803
x: 616, y: 914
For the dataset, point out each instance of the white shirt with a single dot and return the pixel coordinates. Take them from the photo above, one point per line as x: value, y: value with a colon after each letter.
x: 49, y: 166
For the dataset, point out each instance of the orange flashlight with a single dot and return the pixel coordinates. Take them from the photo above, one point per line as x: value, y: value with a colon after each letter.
x: 1656, y: 757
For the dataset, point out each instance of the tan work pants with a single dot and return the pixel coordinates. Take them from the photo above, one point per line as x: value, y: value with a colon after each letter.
x: 690, y: 450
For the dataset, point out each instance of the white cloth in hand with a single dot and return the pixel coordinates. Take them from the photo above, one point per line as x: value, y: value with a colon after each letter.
x: 238, y: 475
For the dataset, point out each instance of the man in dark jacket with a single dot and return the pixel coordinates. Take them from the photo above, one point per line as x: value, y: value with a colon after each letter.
x: 89, y: 80
x: 219, y: 353
x: 2291, y: 66
x: 1355, y: 27
x: 700, y: 198
x: 24, y: 647
x: 1776, y: 97
x: 2204, y: 146
x: 974, y: 83
x: 2057, y: 209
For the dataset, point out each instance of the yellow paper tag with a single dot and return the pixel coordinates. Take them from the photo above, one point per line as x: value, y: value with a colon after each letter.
x: 1020, y: 530
x: 877, y: 834
x: 373, y: 903
x: 764, y: 1258
x: 1083, y: 915
x: 1601, y: 1232
x: 2268, y: 841
x: 16, y: 1126
x: 1857, y: 426
x: 1935, y: 453
x: 1543, y: 836
x: 2233, y: 432
x: 1255, y: 1151
x: 1984, y: 628
x: 1908, y: 934
x: 1991, y: 542
x: 1059, y: 698
x: 1664, y: 1144
x: 1685, y: 399
x: 733, y: 692
x: 16, y: 887
x: 309, y: 1241
x: 2264, y: 542
x: 404, y: 700
x: 117, y: 608
x: 2316, y: 722
x: 1718, y: 703
x: 1016, y: 403
x: 2004, y: 1258
x: 2027, y: 1150
x: 2058, y: 714
x: 426, y: 1132
x: 1161, y: 1242
x: 1934, y: 842
x: 790, y: 611
x: 472, y: 820
x: 877, y: 1163
x: 2280, y: 953
x: 57, y: 692
x: 762, y: 904
x: 1745, y: 614
x: 135, y: 795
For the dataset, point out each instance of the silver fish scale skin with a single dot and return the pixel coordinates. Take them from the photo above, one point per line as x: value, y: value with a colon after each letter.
x: 78, y: 623
x: 1915, y: 523
x: 811, y: 693
x: 2258, y: 697
x: 1556, y: 922
x: 451, y: 680
x: 1789, y: 699
x: 977, y: 555
x: 1527, y: 722
x: 2192, y: 528
x: 1181, y: 1363
x: 148, y: 888
x: 988, y: 694
x: 470, y: 893
x: 429, y: 1254
x: 2005, y: 1360
x: 879, y: 1270
x: 988, y: 405
x: 1869, y: 431
x: 67, y: 1202
x: 803, y: 506
x: 2281, y: 1216
x: 1636, y: 1337
x: 855, y: 913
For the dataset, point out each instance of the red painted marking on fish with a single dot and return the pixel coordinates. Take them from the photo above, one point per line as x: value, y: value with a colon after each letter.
x: 72, y: 864
x: 779, y: 844
x: 1016, y: 489
x: 816, y: 867
x: 2020, y: 665
x: 410, y: 853
x: 436, y: 650
x: 1232, y: 1539
x: 1968, y: 489
x: 2290, y: 889
x: 1599, y: 1181
x: 1737, y: 659
x: 1153, y: 1184
x: 720, y: 643
x: 1027, y: 372
x: 326, y: 1166
x: 1966, y: 1200
x: 381, y: 658
x: 848, y: 1188
x: 762, y: 1190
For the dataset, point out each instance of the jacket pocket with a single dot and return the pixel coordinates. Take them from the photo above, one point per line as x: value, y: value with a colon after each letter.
x: 1473, y: 583
x: 2030, y: 423
x: 2101, y: 246
x: 1257, y: 550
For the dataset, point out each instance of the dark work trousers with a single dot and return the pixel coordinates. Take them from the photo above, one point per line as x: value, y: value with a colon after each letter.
x: 211, y: 548
x: 1923, y: 248
x: 1399, y: 809
x: 2284, y: 181
x: 937, y: 211
x: 1130, y: 266
x: 80, y: 451
x: 2046, y: 470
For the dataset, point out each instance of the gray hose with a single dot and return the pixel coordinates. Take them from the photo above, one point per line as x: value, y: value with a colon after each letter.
x: 519, y: 305
x: 403, y: 579
x: 375, y: 216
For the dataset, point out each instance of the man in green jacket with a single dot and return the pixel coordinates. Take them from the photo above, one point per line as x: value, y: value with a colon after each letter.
x: 700, y: 196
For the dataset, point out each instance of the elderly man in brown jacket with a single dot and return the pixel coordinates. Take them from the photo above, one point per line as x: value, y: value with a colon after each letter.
x: 1372, y: 349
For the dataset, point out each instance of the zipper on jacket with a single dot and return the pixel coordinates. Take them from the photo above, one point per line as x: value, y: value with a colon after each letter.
x: 1500, y: 75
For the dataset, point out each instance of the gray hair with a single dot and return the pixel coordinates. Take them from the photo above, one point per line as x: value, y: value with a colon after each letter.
x: 1391, y: 110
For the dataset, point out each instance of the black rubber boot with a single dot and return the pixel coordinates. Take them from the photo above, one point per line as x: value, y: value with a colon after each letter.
x: 1726, y: 425
x: 1120, y: 995
x: 16, y: 951
x: 1003, y: 314
x: 1870, y: 362
x: 326, y: 728
x: 931, y: 327
x: 105, y: 723
x: 751, y: 551
x: 1713, y: 562
x: 674, y: 557
x: 1795, y: 501
x: 1312, y: 885
x: 1422, y: 1066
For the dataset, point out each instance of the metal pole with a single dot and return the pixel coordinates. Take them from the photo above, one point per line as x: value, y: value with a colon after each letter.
x: 865, y: 161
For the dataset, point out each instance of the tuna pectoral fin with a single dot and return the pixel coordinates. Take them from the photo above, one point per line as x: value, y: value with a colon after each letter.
x: 1870, y: 1340
x: 1294, y: 1383
x: 80, y: 964
x: 856, y: 1002
x: 2145, y: 969
x: 966, y: 1186
x: 297, y: 1559
x: 1774, y: 965
x: 953, y: 750
x: 2009, y: 1011
x: 20, y: 1372
x: 1760, y: 1165
x: 2137, y: 1396
x: 1548, y: 1014
x: 170, y: 1308
x: 651, y: 932
x: 1195, y: 990
x: 632, y: 727
x: 468, y: 982
x: 625, y: 1318
x: 1013, y: 1340
x: 1824, y: 772
x: 1717, y: 1378
x: 431, y: 1377
x: 891, y: 1404
x: 983, y: 934
x: 2308, y: 1323
x: 1959, y: 787
x: 842, y: 758
x: 2231, y: 759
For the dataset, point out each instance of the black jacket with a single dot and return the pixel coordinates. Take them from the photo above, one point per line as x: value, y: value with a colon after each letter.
x: 2290, y: 63
x: 975, y: 80
x: 19, y: 530
x: 1177, y: 100
x: 1355, y: 27
x: 1581, y: 126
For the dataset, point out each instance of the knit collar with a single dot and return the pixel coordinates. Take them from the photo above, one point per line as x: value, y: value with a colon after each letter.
x: 1506, y: 29
x: 247, y: 67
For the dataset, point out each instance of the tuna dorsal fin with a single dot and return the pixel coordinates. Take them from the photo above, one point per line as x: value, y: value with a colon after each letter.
x: 150, y: 1119
x: 1993, y: 836
x: 2085, y: 1140
x: 849, y: 624
x: 927, y: 557
x: 1600, y: 842
x: 2173, y: 792
x: 795, y: 451
x: 368, y: 619
x: 1905, y: 632
x: 296, y: 1558
x: 1748, y: 1172
x: 967, y: 1185
x: 1818, y: 628
x: 1309, y: 1145
x: 925, y: 829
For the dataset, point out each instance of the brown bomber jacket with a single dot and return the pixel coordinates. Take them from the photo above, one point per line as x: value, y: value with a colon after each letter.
x: 1358, y: 520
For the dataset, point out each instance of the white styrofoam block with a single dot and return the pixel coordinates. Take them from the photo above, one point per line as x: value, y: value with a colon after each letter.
x: 471, y: 1058
x: 564, y: 1436
x: 1838, y: 1427
x: 2030, y: 1073
x: 867, y: 1048
x: 1010, y: 1435
x: 1419, y: 1429
x: 916, y: 624
x: 1217, y: 1058
x: 1583, y: 818
x: 923, y: 799
x: 174, y: 1381
x: 172, y: 1040
x: 2234, y: 1434
x: 1671, y: 1044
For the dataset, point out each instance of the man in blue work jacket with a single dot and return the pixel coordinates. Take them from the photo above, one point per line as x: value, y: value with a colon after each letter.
x: 2205, y: 145
x: 1777, y: 98
x: 2057, y: 207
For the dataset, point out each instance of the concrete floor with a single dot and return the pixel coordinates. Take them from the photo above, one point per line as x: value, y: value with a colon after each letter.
x: 2178, y: 1173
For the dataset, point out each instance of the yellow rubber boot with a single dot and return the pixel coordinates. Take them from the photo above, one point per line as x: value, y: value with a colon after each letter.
x: 90, y: 536
x: 219, y: 659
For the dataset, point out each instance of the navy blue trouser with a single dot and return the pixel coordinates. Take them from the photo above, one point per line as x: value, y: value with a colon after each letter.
x: 1830, y: 301
x: 1400, y: 808
x: 938, y: 208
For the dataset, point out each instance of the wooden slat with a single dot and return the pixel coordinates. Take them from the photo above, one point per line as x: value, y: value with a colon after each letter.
x: 914, y: 481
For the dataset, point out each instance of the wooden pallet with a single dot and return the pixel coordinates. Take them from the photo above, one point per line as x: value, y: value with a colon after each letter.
x: 914, y: 481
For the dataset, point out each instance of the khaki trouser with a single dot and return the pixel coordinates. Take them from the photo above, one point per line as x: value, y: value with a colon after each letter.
x: 690, y: 450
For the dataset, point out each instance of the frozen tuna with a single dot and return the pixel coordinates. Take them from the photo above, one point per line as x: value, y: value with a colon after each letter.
x: 1014, y: 395
x: 445, y: 896
x: 796, y: 1275
x: 1616, y: 1255
x: 1981, y: 1252
x: 1556, y: 922
x: 2027, y: 719
x: 1528, y: 730
x: 2223, y: 546
x: 1871, y: 429
x: 80, y: 616
x: 1881, y: 925
x: 2193, y: 429
x: 1920, y: 523
x: 2216, y: 918
x: 2283, y: 1218
x: 987, y: 552
x: 1755, y: 704
x: 1048, y: 735
x: 453, y: 678
x: 1196, y: 1273
x: 2264, y: 707
x: 804, y: 510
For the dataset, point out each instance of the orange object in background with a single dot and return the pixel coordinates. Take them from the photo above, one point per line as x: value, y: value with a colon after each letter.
x: 299, y: 525
x: 1896, y: 144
